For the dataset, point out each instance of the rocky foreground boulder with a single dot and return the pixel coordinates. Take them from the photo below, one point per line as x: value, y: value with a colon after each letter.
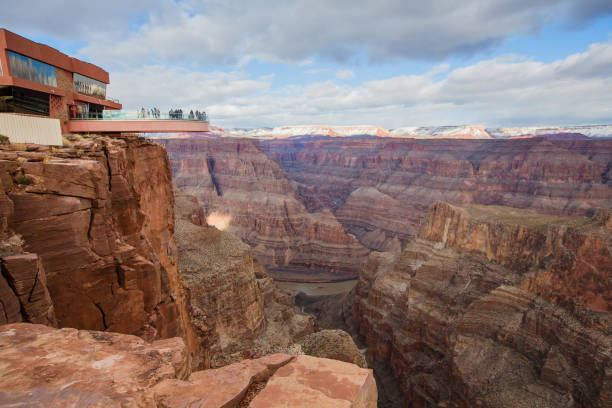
x: 47, y: 367
x: 334, y: 344
x: 494, y: 307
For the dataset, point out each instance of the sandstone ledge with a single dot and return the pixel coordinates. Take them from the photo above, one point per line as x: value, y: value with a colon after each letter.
x: 46, y: 367
x: 318, y: 382
x: 43, y: 366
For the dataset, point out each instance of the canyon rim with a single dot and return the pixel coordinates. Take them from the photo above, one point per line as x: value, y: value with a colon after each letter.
x: 306, y: 204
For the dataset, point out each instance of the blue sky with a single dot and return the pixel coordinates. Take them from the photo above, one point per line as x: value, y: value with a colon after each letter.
x: 388, y: 63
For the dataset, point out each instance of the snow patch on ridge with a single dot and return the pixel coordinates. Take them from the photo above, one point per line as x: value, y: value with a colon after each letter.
x: 282, y: 132
x: 416, y: 132
x: 587, y: 130
x: 443, y: 132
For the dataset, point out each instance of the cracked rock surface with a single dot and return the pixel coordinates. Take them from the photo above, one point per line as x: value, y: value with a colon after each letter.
x: 44, y: 366
x: 87, y: 239
x: 494, y: 307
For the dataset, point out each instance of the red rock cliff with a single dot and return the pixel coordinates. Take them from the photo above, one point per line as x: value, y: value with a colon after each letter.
x: 96, y: 224
x: 492, y: 306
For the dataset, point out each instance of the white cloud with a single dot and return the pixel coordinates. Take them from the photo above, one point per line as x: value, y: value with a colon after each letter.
x: 74, y: 20
x: 238, y: 31
x: 508, y: 90
x: 345, y: 74
x: 174, y: 87
x: 158, y: 52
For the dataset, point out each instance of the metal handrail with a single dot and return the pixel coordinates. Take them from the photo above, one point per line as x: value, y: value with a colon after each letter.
x: 123, y: 115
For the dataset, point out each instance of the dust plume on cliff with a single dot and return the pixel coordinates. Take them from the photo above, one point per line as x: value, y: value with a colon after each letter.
x: 218, y: 220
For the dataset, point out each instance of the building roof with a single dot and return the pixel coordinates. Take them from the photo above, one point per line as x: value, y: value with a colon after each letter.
x: 49, y: 55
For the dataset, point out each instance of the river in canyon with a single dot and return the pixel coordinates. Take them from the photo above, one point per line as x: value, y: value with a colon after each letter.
x: 318, y: 288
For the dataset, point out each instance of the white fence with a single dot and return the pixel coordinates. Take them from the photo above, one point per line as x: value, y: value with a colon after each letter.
x: 31, y: 129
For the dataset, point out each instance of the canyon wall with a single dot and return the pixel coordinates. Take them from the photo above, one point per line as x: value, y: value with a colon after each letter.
x: 89, y: 232
x: 380, y: 189
x: 233, y: 304
x: 493, y: 306
x: 243, y: 190
x: 89, y: 242
x: 313, y: 208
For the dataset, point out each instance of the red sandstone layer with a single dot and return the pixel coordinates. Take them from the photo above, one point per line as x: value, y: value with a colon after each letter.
x: 312, y: 209
x: 236, y: 181
x: 380, y: 189
x: 493, y: 306
x: 43, y: 366
x: 99, y: 220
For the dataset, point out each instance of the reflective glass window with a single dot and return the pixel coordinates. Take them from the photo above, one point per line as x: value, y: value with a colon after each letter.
x: 87, y: 86
x: 27, y: 68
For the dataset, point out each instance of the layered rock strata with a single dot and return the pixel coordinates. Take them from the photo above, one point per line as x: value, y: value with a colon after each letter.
x: 284, y: 324
x: 493, y: 306
x: 23, y: 291
x: 87, y: 238
x: 301, y: 203
x: 380, y: 189
x: 233, y: 304
x: 43, y: 366
x: 247, y: 193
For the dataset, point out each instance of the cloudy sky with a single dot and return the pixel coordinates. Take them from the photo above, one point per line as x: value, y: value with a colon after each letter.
x: 389, y: 63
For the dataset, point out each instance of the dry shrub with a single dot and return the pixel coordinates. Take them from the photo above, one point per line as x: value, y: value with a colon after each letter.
x: 24, y: 180
x: 21, y: 147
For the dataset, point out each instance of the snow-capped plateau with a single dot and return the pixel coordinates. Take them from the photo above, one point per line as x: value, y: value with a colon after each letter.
x: 416, y: 132
x: 443, y: 132
x: 283, y: 132
x: 594, y: 131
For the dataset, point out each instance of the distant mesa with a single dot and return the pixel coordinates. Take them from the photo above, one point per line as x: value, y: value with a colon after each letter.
x: 443, y: 132
x: 286, y: 132
x: 471, y: 132
x: 554, y: 136
x: 554, y: 132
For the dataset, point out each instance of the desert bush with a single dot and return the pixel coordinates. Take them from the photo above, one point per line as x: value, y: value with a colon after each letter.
x: 24, y: 180
x: 4, y: 140
x: 18, y: 146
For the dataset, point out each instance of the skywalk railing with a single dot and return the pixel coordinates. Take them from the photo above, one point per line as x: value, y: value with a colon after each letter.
x: 138, y: 115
